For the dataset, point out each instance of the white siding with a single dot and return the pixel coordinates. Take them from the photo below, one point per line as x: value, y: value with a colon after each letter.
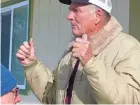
x: 51, y: 31
x: 121, y: 12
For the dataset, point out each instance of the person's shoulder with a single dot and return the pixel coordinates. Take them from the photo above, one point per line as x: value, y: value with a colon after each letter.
x: 127, y: 40
x: 126, y: 44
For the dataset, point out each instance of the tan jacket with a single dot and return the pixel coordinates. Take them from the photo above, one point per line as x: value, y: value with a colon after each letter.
x: 111, y: 76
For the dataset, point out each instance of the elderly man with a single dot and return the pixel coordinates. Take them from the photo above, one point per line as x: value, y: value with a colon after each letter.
x: 102, y: 65
x: 9, y: 91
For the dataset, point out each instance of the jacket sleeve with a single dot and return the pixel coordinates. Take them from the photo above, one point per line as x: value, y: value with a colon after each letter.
x: 41, y: 81
x: 119, y: 84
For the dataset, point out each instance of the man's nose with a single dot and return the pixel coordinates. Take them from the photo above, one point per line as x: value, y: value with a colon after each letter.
x: 70, y: 16
x: 18, y: 99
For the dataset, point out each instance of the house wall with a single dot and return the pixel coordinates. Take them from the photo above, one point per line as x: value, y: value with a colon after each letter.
x: 51, y: 31
x: 121, y: 12
x: 3, y: 1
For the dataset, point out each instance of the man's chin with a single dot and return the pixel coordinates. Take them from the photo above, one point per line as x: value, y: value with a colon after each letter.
x: 76, y: 34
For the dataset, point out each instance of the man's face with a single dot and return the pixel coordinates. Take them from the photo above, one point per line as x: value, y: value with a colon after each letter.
x: 81, y: 18
x: 11, y: 97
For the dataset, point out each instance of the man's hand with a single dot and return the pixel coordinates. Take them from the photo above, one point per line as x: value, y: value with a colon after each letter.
x: 26, y: 54
x: 82, y: 49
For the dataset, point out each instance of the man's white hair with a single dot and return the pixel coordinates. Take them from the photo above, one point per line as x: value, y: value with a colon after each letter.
x: 93, y: 8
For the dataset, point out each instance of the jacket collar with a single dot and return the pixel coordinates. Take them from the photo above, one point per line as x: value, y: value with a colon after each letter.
x: 101, y: 39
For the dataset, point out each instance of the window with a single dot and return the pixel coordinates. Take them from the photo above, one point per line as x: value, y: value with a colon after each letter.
x: 14, y: 31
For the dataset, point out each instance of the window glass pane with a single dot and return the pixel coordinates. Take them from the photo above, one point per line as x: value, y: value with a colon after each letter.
x: 20, y: 34
x: 5, y: 38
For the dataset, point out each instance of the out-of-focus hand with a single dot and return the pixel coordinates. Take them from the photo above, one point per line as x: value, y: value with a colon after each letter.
x: 26, y: 53
x: 82, y: 49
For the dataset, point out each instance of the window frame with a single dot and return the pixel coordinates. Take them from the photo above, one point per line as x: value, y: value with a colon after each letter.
x: 11, y: 9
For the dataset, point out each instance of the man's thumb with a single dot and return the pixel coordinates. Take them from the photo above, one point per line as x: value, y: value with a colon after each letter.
x: 84, y: 37
x: 31, y: 43
x: 32, y: 46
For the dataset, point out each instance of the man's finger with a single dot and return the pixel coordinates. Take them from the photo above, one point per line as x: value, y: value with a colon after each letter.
x: 78, y: 40
x: 19, y: 56
x: 76, y: 55
x: 76, y: 45
x: 75, y: 50
x: 24, y: 49
x: 22, y: 53
x: 26, y: 44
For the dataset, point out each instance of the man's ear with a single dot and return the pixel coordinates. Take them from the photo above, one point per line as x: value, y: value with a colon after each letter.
x: 99, y: 14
